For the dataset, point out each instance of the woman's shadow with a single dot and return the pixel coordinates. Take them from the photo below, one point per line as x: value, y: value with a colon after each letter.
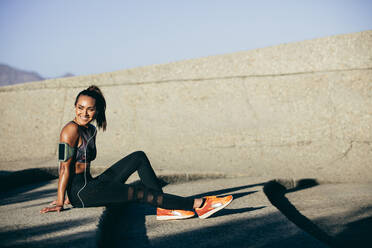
x: 122, y: 224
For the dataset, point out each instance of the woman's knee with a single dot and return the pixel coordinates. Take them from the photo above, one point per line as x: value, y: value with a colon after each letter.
x: 139, y: 155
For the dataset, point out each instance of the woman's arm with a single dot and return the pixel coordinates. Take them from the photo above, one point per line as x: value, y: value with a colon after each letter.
x: 69, y: 135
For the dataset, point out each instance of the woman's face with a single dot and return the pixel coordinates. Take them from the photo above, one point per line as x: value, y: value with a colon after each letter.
x: 85, y: 110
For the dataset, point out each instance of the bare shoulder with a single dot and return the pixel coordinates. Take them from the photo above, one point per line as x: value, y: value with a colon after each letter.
x: 70, y: 133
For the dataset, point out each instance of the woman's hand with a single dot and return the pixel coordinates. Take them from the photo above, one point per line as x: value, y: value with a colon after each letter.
x: 53, y: 203
x: 52, y: 209
x: 55, y: 207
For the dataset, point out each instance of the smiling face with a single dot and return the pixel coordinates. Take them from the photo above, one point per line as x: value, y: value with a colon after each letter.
x: 85, y: 110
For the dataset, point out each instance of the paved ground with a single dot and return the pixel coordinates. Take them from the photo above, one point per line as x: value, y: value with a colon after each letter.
x: 342, y: 211
x: 335, y: 211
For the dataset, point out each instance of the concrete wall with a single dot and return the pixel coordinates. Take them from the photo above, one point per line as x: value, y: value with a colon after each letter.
x: 294, y: 110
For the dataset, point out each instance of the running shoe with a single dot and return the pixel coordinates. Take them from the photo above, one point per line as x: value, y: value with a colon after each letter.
x: 166, y: 214
x: 212, y: 205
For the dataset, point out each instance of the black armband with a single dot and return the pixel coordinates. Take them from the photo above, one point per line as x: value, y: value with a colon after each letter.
x: 65, y: 151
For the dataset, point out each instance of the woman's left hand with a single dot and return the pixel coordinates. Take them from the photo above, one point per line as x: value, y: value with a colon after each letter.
x: 52, y: 209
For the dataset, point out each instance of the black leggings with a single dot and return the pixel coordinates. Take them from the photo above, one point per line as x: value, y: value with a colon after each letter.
x: 109, y: 188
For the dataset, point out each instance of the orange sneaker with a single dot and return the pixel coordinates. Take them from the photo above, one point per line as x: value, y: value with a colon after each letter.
x: 212, y: 205
x: 166, y: 214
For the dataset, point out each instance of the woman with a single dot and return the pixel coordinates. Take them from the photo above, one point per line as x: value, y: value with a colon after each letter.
x: 77, y: 140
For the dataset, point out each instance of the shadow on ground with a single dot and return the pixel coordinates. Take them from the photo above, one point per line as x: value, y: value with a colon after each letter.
x: 16, y: 238
x: 12, y: 179
x: 124, y: 226
x: 356, y: 234
x: 23, y: 194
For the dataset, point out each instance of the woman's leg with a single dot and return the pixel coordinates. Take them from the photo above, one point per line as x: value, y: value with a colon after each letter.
x: 137, y: 161
x: 103, y: 193
x: 109, y: 187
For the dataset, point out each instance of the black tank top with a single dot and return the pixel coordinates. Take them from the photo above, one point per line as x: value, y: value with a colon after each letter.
x: 88, y: 136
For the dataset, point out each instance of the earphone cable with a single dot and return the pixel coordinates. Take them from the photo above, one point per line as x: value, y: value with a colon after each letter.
x: 85, y: 169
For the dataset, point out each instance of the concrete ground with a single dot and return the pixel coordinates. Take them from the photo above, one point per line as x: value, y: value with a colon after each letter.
x: 320, y: 216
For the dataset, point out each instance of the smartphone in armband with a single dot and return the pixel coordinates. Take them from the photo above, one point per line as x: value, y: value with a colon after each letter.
x: 65, y: 151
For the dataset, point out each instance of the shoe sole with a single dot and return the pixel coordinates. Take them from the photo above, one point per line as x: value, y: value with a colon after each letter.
x: 174, y: 217
x: 206, y: 215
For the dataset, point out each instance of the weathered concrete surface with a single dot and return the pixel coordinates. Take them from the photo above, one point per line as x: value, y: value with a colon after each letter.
x: 290, y: 111
x: 342, y: 211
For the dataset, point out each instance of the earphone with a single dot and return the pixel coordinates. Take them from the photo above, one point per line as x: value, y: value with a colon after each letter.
x: 85, y: 169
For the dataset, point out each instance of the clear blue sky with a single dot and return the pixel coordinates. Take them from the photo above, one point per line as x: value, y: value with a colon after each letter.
x: 91, y: 36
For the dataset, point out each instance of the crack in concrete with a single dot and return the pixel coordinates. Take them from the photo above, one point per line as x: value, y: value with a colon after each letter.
x: 345, y: 153
x: 30, y: 87
x: 296, y: 144
x: 348, y: 150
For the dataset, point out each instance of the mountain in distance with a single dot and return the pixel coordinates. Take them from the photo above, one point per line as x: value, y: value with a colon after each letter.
x: 10, y: 75
x: 67, y: 75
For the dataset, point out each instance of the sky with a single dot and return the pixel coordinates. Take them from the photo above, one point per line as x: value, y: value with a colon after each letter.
x: 90, y: 36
